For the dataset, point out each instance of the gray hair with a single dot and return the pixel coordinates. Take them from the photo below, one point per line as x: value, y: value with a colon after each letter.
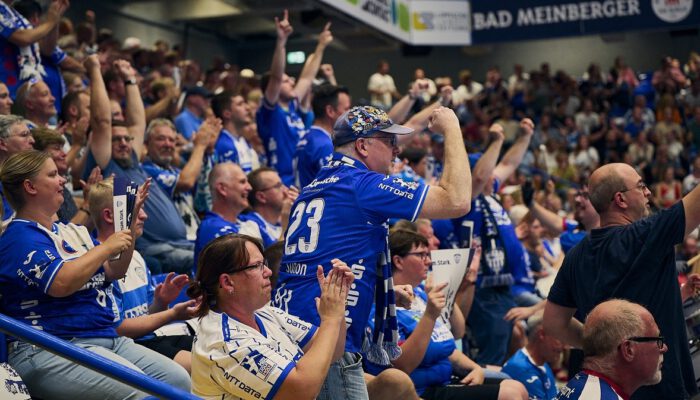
x: 156, y: 123
x: 605, y: 331
x: 7, y: 122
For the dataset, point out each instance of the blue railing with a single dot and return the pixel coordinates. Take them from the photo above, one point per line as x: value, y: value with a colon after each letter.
x: 91, y: 360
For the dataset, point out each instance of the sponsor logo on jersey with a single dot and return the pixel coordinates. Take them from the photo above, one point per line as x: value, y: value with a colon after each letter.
x: 258, y: 365
x: 67, y: 247
x: 29, y: 257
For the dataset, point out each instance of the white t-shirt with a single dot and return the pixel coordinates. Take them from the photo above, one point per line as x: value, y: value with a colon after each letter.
x: 384, y: 83
x: 231, y: 360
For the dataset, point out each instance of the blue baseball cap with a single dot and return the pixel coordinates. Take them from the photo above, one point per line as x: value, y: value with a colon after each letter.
x: 362, y: 122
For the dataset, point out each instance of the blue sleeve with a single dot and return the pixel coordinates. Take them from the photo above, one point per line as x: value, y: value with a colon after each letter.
x: 57, y: 56
x: 535, y: 387
x: 386, y: 196
x: 263, y: 117
x: 8, y: 21
x: 320, y: 152
x: 167, y: 180
x: 42, y: 260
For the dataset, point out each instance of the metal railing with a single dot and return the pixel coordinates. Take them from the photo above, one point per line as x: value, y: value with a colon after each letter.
x: 91, y: 360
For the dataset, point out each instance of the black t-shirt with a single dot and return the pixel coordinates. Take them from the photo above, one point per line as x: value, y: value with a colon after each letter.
x: 635, y: 262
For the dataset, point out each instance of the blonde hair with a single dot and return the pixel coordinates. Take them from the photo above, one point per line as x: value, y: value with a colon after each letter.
x: 18, y: 168
x: 101, y: 195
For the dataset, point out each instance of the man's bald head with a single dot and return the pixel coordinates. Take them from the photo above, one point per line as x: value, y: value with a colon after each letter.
x: 604, y: 183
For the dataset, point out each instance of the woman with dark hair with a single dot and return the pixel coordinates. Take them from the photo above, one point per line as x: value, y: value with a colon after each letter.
x: 56, y: 278
x: 245, y: 348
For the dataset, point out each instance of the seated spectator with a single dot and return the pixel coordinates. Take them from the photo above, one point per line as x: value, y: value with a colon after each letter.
x: 429, y: 353
x: 115, y: 147
x: 69, y: 276
x: 178, y: 183
x: 584, y: 157
x: 623, y: 351
x: 35, y: 103
x: 143, y: 306
x: 692, y: 180
x: 15, y: 136
x: 532, y: 365
x: 269, y: 352
x: 5, y: 100
x: 270, y: 202
x: 229, y: 188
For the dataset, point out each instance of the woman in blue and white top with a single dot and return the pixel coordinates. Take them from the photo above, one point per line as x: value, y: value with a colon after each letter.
x: 246, y: 349
x: 57, y: 279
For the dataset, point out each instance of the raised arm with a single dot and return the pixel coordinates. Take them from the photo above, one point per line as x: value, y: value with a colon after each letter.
x: 559, y: 321
x: 284, y: 29
x: 414, y: 348
x: 419, y: 121
x: 25, y: 37
x: 451, y: 197
x: 691, y: 205
x: 511, y: 160
x: 308, y: 73
x: 100, y: 142
x: 483, y: 170
x: 135, y: 113
x: 145, y: 324
x: 190, y: 172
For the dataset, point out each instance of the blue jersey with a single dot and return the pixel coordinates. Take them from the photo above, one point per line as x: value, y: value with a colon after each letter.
x: 134, y: 293
x: 164, y: 223
x: 523, y: 276
x: 586, y: 386
x: 31, y: 258
x: 342, y: 214
x: 7, y: 210
x: 214, y: 225
x: 187, y: 123
x: 19, y: 64
x: 280, y: 131
x: 237, y: 150
x: 270, y: 232
x: 435, y: 368
x: 538, y: 379
x: 313, y: 151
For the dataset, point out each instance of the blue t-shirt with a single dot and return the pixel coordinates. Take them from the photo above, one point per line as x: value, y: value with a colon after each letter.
x: 280, y: 131
x: 270, y: 232
x: 435, y: 369
x: 236, y: 150
x: 187, y: 123
x: 214, y: 225
x: 19, y: 64
x: 7, y: 210
x: 164, y: 223
x: 342, y: 214
x: 313, y: 151
x: 588, y: 387
x: 523, y: 277
x: 538, y: 380
x: 31, y: 258
x: 514, y: 252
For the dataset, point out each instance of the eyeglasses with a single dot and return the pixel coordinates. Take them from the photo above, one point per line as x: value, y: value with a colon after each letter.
x: 641, y: 186
x: 127, y: 139
x: 261, y: 265
x: 424, y: 255
x: 275, y: 186
x: 642, y: 339
x: 393, y: 140
x: 26, y: 134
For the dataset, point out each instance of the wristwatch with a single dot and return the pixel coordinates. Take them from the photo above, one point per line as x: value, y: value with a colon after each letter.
x: 131, y: 81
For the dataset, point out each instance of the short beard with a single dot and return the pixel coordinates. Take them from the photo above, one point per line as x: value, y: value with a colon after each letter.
x: 124, y: 163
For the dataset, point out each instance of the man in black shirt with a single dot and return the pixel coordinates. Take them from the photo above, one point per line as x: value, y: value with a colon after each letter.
x: 630, y: 257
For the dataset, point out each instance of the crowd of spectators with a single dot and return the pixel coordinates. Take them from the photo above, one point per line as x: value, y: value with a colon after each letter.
x: 223, y: 150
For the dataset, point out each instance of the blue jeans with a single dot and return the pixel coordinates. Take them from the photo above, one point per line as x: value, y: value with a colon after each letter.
x: 490, y: 332
x: 49, y: 376
x: 345, y: 380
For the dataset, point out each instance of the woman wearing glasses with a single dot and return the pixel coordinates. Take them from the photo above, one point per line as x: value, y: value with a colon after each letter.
x: 428, y: 353
x: 245, y: 348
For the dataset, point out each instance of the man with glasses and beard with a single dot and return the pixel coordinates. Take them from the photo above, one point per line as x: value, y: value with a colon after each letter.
x: 630, y: 256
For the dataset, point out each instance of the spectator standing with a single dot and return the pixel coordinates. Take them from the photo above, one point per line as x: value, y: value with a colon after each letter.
x: 194, y: 112
x: 344, y: 213
x: 231, y: 145
x: 631, y: 256
x: 381, y: 87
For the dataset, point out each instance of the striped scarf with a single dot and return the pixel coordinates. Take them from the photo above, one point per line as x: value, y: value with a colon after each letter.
x: 384, y: 346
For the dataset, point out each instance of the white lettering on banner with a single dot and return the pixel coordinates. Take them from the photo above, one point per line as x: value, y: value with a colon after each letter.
x: 557, y: 13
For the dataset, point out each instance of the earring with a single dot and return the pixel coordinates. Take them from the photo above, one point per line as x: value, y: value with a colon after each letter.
x: 230, y: 292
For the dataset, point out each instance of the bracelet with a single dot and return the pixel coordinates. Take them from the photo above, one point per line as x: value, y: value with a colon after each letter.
x: 85, y: 210
x: 131, y: 81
